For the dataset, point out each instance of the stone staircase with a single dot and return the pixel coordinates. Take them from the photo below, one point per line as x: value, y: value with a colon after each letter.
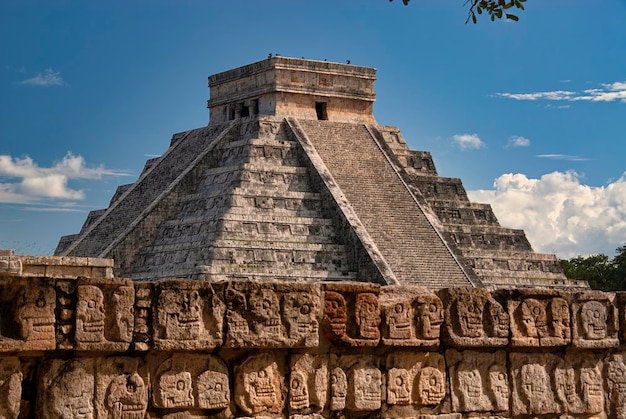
x: 409, y: 243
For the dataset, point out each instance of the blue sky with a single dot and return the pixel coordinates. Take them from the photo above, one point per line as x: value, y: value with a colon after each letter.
x: 530, y: 115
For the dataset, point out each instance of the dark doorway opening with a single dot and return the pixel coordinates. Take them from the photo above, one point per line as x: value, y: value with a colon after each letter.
x: 320, y: 110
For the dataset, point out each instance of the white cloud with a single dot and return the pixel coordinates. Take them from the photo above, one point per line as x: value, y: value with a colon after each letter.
x: 468, y: 141
x: 46, y: 79
x: 561, y: 157
x: 560, y: 214
x: 518, y: 141
x: 608, y: 92
x: 29, y: 183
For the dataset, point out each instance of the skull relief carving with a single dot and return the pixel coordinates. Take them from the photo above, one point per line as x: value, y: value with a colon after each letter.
x: 123, y: 300
x: 336, y: 313
x: 338, y: 389
x: 534, y: 318
x: 535, y: 387
x: 35, y: 313
x: 176, y: 389
x: 398, y: 319
x: 593, y: 315
x: 429, y: 316
x: 470, y: 315
x: 431, y: 386
x: 367, y: 315
x: 213, y: 390
x: 265, y: 308
x: 471, y: 389
x: 90, y: 314
x: 559, y: 309
x: 298, y: 391
x: 299, y: 311
x: 127, y: 397
x: 399, y: 387
x: 499, y: 386
x: 367, y: 388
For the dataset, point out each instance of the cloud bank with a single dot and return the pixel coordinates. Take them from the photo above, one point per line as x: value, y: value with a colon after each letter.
x: 468, y: 141
x: 560, y: 214
x: 22, y: 181
x: 607, y: 92
x: 46, y: 79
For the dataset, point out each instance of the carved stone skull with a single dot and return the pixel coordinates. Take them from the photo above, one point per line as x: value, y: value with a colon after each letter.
x: 176, y: 389
x: 335, y: 313
x: 299, y: 311
x: 35, y: 313
x: 559, y: 311
x: 367, y: 388
x: 367, y: 315
x: 534, y: 380
x: 213, y: 390
x: 470, y: 315
x: 338, y: 389
x: 534, y: 318
x: 593, y: 316
x: 90, y: 314
x: 471, y: 388
x: 298, y: 391
x: 123, y: 300
x: 127, y: 397
x: 398, y: 319
x: 399, y: 387
x: 499, y: 386
x: 265, y: 309
x: 431, y: 386
x: 429, y: 316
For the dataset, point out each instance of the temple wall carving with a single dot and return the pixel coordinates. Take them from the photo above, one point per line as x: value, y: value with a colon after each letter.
x: 104, y: 347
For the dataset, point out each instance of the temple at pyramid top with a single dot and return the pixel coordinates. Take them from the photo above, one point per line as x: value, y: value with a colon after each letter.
x: 293, y: 180
x: 292, y: 87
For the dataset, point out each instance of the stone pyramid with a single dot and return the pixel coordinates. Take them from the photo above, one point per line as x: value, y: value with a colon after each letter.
x: 293, y: 180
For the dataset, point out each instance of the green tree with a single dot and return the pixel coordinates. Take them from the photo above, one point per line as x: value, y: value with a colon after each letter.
x: 495, y: 9
x: 600, y: 271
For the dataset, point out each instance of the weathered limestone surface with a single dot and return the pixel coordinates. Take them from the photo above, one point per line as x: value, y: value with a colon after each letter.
x: 107, y: 347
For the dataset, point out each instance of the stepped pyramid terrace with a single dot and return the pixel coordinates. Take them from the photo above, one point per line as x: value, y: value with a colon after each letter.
x: 293, y: 180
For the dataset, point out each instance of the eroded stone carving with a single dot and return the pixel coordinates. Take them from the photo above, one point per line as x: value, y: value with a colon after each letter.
x: 366, y: 383
x: 10, y: 387
x: 34, y: 312
x: 412, y: 316
x: 191, y: 381
x: 338, y: 389
x: 67, y: 389
x: 259, y: 385
x: 479, y: 382
x: 352, y: 313
x: 474, y: 318
x: 308, y: 382
x: 272, y: 315
x: 90, y: 314
x: 616, y: 385
x: 415, y: 378
x: 532, y: 384
x: 189, y: 315
x: 213, y: 390
x: 595, y: 320
x: 121, y: 388
x: 104, y: 314
x: 539, y: 318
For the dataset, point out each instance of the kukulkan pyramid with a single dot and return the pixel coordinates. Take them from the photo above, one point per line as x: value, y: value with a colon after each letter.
x: 293, y: 180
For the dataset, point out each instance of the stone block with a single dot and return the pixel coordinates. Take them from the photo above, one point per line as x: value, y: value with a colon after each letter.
x: 104, y: 314
x: 259, y: 384
x: 308, y: 383
x: 415, y: 378
x: 473, y: 318
x: 412, y: 316
x: 189, y: 315
x: 478, y: 381
x: 595, y: 320
x: 279, y: 314
x: 352, y: 313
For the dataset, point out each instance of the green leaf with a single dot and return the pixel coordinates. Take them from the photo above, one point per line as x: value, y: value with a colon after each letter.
x: 512, y: 17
